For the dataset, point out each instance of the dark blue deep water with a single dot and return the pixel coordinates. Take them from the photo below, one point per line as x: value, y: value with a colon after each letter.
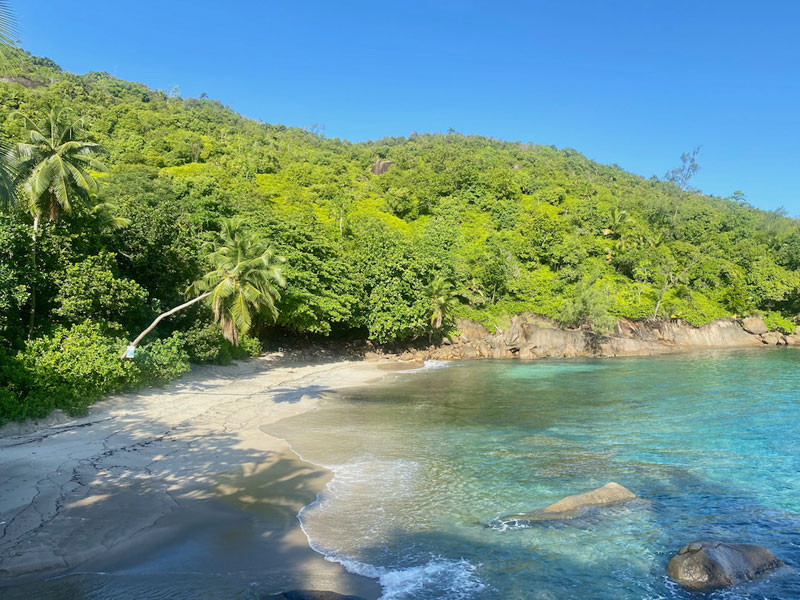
x: 709, y: 441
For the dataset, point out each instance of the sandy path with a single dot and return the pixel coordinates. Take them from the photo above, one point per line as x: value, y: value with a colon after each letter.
x: 75, y: 489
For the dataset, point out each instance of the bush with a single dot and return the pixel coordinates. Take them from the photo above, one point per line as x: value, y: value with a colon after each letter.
x: 248, y: 347
x: 206, y: 344
x: 73, y: 367
x: 775, y: 321
x: 162, y: 361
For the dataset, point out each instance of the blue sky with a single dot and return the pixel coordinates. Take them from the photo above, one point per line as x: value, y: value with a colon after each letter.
x: 633, y: 82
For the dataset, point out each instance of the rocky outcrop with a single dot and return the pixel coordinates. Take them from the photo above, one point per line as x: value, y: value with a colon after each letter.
x: 380, y: 167
x: 310, y: 595
x: 531, y: 336
x: 610, y: 494
x: 709, y: 565
x: 754, y: 325
x: 22, y: 80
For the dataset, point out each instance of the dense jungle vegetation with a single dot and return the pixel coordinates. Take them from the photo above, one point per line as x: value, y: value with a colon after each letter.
x: 170, y: 198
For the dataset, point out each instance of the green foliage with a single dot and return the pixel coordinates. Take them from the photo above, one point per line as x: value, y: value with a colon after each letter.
x: 777, y: 322
x: 244, y: 279
x: 75, y: 366
x: 509, y: 227
x: 205, y: 344
x: 162, y: 360
x: 89, y: 289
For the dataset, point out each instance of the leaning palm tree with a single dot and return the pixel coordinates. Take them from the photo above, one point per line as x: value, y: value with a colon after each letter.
x: 51, y: 172
x: 242, y: 283
x: 443, y: 301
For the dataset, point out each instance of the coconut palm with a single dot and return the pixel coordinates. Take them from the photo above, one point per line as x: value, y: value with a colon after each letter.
x: 443, y: 301
x: 50, y: 172
x: 243, y: 282
x: 54, y: 167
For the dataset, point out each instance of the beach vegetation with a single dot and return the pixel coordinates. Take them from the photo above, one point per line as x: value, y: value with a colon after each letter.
x: 121, y: 199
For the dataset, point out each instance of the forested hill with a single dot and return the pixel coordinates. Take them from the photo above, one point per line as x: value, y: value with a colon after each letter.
x: 461, y: 224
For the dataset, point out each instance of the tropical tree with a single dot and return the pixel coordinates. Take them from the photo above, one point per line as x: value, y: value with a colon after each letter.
x: 51, y: 171
x: 242, y: 283
x: 7, y: 31
x: 443, y: 301
x: 54, y: 167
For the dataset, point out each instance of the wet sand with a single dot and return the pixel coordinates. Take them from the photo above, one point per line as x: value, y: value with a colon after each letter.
x: 174, y: 480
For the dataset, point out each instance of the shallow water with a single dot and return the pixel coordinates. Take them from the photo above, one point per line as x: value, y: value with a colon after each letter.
x: 428, y: 459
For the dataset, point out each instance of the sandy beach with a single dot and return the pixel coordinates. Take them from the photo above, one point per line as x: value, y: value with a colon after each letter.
x: 144, y: 476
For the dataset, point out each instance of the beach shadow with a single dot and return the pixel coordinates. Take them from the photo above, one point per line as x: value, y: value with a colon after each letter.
x: 294, y: 395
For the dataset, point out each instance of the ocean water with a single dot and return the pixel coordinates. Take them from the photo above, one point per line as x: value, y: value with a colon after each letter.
x: 428, y: 460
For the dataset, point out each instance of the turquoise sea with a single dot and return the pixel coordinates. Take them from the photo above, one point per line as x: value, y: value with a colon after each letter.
x: 427, y: 460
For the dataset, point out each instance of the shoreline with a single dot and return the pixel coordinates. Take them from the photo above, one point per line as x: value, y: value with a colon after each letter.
x: 147, y: 471
x: 165, y: 468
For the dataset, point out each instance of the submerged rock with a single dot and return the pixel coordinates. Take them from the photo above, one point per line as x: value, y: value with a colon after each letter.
x: 611, y: 493
x: 310, y: 595
x: 709, y: 565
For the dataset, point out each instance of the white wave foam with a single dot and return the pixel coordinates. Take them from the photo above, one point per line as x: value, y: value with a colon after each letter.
x: 429, y: 365
x: 345, y: 502
x: 447, y: 578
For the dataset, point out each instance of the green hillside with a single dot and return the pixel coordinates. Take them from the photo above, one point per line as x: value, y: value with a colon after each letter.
x: 475, y: 226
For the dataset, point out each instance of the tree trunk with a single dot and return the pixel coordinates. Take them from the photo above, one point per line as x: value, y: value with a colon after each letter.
x: 34, y: 236
x: 157, y: 320
x: 660, y: 298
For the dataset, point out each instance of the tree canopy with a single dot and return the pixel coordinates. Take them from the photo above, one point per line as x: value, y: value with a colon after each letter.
x: 453, y: 225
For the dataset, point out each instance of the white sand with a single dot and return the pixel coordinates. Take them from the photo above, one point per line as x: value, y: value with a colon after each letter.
x: 72, y: 490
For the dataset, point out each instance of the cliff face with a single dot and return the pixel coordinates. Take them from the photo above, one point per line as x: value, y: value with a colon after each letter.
x: 529, y: 336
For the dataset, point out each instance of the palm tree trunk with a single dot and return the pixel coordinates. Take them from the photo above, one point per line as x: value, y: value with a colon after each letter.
x: 157, y: 320
x: 34, y: 236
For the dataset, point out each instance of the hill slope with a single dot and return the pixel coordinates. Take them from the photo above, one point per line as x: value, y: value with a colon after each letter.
x: 511, y: 226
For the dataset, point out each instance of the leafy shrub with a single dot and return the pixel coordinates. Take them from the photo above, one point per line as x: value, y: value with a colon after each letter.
x: 74, y: 366
x: 247, y: 348
x: 89, y: 289
x: 776, y: 322
x: 162, y: 360
x: 206, y: 344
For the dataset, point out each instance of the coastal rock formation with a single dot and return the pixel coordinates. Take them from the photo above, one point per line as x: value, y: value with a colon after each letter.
x: 610, y: 494
x: 754, y: 325
x: 310, y: 595
x: 530, y: 336
x: 708, y: 565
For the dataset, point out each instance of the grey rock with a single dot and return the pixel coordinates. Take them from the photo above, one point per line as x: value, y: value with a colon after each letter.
x: 610, y: 494
x: 754, y: 325
x: 773, y: 338
x: 380, y: 167
x: 707, y: 565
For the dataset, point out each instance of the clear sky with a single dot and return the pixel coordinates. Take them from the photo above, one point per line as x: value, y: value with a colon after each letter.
x: 633, y: 82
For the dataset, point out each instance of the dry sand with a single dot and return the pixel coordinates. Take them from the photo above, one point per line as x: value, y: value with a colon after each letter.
x: 143, y: 473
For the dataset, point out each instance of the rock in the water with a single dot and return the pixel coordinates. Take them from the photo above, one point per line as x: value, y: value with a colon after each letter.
x: 754, y: 325
x: 610, y: 493
x: 310, y: 595
x: 709, y: 565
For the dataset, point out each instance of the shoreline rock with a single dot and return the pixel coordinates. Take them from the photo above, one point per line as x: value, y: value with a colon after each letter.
x: 608, y: 495
x: 531, y: 336
x: 707, y: 565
